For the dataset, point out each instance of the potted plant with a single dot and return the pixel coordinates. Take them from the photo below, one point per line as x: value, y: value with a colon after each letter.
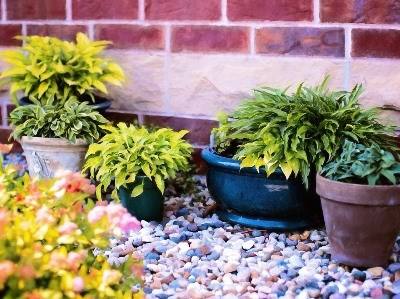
x: 55, y: 136
x: 265, y: 155
x: 360, y: 196
x: 49, y: 70
x: 138, y: 162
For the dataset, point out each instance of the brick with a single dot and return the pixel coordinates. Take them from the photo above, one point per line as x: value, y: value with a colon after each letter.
x: 199, y: 129
x: 105, y: 9
x: 4, y: 138
x: 360, y: 11
x: 183, y: 9
x: 10, y: 108
x: 301, y: 41
x: 132, y: 36
x: 7, y: 34
x: 375, y: 43
x: 272, y: 10
x: 200, y: 165
x: 66, y: 32
x: 210, y: 39
x: 35, y: 9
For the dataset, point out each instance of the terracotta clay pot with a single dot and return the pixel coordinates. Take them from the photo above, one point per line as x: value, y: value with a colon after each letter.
x: 362, y: 221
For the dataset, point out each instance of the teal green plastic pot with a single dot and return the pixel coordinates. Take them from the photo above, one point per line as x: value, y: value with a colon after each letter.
x: 147, y: 206
x: 252, y: 199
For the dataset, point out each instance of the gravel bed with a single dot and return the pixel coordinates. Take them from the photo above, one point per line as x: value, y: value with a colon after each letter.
x: 190, y: 255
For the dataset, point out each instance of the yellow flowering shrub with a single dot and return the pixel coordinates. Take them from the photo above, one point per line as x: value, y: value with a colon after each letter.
x: 49, y: 230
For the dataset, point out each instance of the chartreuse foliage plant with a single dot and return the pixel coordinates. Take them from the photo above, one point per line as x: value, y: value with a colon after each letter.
x: 361, y: 164
x: 298, y: 132
x: 49, y: 69
x: 71, y: 120
x: 51, y: 237
x: 127, y: 152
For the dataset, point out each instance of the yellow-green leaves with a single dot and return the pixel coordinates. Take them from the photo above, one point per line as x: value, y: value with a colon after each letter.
x: 127, y: 152
x: 48, y: 69
x: 137, y: 190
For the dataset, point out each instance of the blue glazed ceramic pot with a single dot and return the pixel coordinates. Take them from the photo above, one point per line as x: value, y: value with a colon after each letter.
x: 250, y: 198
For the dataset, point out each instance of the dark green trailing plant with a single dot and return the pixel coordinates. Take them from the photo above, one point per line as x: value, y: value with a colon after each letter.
x: 297, y: 132
x: 71, y: 120
x: 126, y: 152
x: 360, y: 164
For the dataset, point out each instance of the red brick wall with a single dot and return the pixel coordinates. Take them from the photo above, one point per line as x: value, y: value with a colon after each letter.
x: 172, y: 48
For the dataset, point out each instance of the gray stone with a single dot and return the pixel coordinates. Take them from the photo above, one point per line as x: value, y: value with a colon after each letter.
x: 393, y: 268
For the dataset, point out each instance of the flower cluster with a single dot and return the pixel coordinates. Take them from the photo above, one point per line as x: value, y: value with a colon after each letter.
x: 49, y: 233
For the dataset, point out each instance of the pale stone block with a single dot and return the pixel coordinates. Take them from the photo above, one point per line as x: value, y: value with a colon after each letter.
x: 205, y: 84
x: 381, y: 81
x: 144, y: 89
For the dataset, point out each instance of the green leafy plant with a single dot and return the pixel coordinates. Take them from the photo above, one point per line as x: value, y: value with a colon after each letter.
x: 360, y: 164
x: 298, y: 132
x: 126, y: 152
x: 49, y: 69
x: 71, y: 120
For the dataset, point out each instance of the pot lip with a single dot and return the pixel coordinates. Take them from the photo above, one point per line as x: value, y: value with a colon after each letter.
x: 52, y: 141
x: 353, y: 185
x: 100, y: 103
x: 216, y: 160
x: 358, y: 194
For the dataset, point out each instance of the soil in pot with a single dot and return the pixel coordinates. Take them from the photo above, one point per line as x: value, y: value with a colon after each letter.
x: 100, y: 104
x: 47, y: 156
x: 147, y: 206
x: 250, y: 198
x: 362, y: 221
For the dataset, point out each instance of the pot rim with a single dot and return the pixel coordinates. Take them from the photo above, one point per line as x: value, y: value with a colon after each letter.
x: 52, y: 142
x: 216, y: 160
x: 358, y: 194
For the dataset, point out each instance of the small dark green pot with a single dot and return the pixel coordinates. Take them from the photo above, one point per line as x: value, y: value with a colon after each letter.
x: 147, y: 206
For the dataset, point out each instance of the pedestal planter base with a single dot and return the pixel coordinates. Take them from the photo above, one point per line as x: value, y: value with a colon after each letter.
x: 147, y: 206
x: 252, y: 199
x: 264, y: 223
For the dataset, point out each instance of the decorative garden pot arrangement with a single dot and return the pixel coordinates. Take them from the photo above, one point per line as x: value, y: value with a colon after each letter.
x: 47, y: 156
x: 363, y: 218
x: 138, y: 161
x: 58, y: 116
x: 55, y: 137
x: 248, y: 197
x: 278, y: 141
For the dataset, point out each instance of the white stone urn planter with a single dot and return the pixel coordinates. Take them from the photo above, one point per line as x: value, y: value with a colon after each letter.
x: 47, y: 156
